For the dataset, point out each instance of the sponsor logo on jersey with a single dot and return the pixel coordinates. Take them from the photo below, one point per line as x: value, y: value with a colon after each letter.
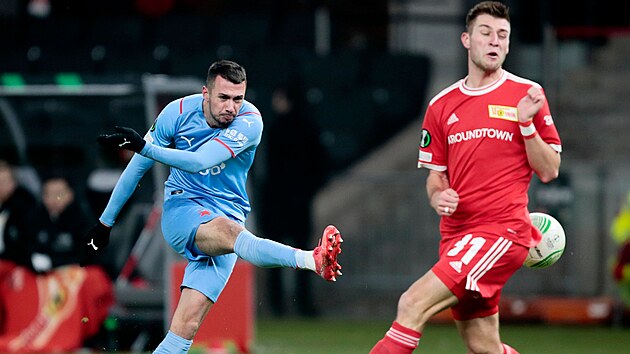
x: 235, y: 136
x: 425, y: 138
x: 503, y: 112
x: 452, y: 119
x: 214, y: 170
x: 480, y: 134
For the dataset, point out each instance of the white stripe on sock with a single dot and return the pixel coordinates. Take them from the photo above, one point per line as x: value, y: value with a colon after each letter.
x: 403, y: 338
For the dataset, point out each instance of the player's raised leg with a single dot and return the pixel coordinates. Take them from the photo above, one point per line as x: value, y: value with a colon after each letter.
x: 222, y: 235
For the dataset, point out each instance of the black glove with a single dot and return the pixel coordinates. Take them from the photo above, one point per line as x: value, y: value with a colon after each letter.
x: 124, y: 137
x: 94, y: 243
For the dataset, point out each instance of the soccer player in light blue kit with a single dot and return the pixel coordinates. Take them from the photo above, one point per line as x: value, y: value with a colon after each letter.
x: 209, y: 140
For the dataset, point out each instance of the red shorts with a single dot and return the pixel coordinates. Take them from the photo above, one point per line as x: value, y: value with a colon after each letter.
x: 475, y: 267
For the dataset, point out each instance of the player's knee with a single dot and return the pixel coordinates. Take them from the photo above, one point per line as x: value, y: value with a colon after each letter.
x: 217, y: 237
x: 225, y: 227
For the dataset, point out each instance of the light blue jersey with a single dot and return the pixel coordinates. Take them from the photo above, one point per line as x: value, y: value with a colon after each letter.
x: 209, y: 163
x: 208, y: 176
x: 223, y: 156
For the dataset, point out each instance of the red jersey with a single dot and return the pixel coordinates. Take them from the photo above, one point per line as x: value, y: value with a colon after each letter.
x: 473, y: 135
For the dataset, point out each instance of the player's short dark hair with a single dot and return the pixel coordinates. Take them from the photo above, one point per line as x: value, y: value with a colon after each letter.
x: 228, y: 70
x: 59, y: 174
x: 493, y: 8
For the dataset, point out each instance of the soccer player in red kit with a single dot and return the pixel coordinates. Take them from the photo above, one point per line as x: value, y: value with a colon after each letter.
x: 482, y: 139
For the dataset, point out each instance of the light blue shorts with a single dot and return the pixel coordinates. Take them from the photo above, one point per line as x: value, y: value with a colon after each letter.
x: 181, y: 218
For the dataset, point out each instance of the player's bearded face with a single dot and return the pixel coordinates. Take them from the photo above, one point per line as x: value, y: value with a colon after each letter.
x: 222, y: 102
x: 489, y: 42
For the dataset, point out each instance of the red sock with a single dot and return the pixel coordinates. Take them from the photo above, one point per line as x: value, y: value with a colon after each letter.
x: 398, y: 340
x: 509, y: 350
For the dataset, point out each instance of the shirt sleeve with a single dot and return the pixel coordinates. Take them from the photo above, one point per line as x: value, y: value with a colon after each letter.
x: 245, y: 132
x: 543, y: 121
x: 432, y: 150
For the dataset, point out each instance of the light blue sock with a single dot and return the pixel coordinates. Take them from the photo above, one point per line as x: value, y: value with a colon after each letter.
x: 263, y: 252
x: 173, y: 344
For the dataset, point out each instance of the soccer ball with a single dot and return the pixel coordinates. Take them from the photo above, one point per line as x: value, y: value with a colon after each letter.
x: 551, y: 246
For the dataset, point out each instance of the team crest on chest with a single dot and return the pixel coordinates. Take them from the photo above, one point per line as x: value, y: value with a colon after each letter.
x: 503, y: 112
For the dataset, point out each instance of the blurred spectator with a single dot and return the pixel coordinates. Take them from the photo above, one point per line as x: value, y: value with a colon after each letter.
x: 296, y: 166
x: 620, y: 232
x: 16, y: 204
x: 59, y: 309
x: 58, y: 226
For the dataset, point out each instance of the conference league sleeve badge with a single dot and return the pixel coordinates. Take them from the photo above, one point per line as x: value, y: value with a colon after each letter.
x: 425, y: 139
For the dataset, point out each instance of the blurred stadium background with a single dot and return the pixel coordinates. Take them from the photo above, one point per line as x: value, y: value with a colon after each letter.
x: 71, y: 69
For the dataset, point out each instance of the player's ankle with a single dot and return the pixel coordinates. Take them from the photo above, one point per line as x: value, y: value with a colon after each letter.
x: 305, y: 260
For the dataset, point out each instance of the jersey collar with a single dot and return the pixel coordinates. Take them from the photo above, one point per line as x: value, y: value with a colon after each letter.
x: 478, y: 91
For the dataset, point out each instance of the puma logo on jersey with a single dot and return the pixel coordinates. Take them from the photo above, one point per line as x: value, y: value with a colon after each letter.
x: 189, y: 141
x: 452, y: 119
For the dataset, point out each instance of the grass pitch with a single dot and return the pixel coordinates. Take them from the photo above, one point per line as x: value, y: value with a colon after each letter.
x: 301, y: 336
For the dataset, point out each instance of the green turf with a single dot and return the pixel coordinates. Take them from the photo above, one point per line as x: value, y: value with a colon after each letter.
x: 279, y: 336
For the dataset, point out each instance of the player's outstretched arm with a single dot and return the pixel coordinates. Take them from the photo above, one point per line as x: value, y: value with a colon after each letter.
x: 98, y: 236
x: 210, y: 154
x: 123, y: 137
